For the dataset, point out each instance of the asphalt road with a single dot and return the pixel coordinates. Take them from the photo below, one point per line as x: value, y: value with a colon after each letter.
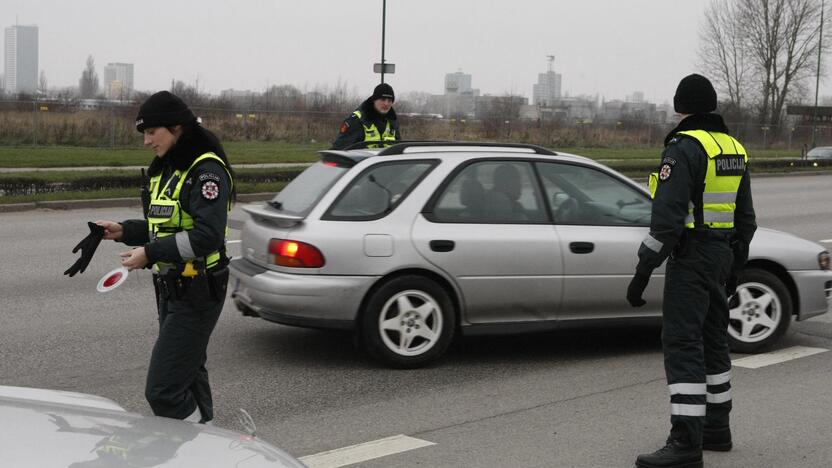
x: 582, y: 398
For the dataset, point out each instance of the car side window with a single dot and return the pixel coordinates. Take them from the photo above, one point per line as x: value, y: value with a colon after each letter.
x: 378, y: 190
x: 588, y: 196
x: 504, y: 192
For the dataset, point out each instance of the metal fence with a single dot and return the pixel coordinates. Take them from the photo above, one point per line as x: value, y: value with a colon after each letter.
x: 85, y: 123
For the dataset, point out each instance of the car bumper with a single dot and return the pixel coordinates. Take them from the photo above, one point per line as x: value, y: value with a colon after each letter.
x: 815, y: 291
x: 316, y: 301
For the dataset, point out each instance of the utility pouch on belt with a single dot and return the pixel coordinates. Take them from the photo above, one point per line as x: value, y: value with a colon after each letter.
x: 218, y: 282
x: 682, y: 246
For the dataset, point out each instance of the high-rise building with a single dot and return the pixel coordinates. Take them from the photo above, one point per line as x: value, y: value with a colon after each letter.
x: 21, y: 59
x: 118, y: 80
x: 457, y: 83
x: 547, y: 90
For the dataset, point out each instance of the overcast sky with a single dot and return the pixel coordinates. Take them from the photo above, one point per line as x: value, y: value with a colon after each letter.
x: 609, y: 47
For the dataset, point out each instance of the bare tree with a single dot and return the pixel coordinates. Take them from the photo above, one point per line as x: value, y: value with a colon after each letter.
x: 782, y: 39
x: 88, y: 84
x: 42, y: 83
x: 724, y: 54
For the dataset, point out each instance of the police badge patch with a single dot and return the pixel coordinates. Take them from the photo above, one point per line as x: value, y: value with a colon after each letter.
x: 665, y: 171
x: 210, y: 190
x: 344, y: 127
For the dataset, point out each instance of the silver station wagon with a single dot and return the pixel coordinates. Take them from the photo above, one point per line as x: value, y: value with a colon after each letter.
x: 410, y: 245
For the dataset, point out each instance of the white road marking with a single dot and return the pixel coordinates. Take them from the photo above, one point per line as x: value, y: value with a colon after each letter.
x: 776, y: 357
x: 362, y: 452
x: 234, y: 242
x: 826, y: 241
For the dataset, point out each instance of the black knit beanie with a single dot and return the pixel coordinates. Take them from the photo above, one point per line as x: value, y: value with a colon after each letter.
x: 383, y: 90
x: 694, y: 95
x: 163, y: 109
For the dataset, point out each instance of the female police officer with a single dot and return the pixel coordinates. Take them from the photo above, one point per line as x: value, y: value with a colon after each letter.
x: 182, y: 238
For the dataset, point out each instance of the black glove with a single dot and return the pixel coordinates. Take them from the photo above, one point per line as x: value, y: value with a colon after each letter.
x: 87, y: 247
x: 731, y: 285
x: 636, y: 289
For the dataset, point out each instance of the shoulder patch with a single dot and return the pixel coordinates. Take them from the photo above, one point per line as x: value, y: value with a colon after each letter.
x: 345, y: 126
x: 668, y: 160
x: 209, y: 176
x: 665, y: 171
x: 210, y: 190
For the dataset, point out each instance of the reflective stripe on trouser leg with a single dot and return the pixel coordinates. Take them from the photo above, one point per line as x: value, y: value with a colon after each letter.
x: 683, y: 314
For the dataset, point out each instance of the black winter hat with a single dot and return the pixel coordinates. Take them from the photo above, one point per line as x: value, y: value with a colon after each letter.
x: 383, y: 90
x: 163, y: 109
x: 694, y: 95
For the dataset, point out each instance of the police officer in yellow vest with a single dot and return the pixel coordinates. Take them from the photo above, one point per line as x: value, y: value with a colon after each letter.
x: 703, y: 220
x: 182, y: 238
x: 374, y: 121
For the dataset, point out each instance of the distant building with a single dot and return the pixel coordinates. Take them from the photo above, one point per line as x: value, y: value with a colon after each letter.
x: 21, y: 59
x: 547, y: 90
x: 118, y: 80
x: 459, y: 99
x: 457, y: 83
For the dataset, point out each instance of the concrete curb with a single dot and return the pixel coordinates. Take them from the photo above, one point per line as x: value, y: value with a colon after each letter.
x: 106, y: 203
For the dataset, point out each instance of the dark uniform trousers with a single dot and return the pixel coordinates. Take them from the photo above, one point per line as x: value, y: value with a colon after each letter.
x: 695, y: 337
x: 177, y: 380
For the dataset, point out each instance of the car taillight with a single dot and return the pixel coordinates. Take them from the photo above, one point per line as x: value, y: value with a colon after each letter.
x: 290, y: 253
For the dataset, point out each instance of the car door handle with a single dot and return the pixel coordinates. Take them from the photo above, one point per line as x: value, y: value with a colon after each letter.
x: 442, y: 245
x: 581, y: 247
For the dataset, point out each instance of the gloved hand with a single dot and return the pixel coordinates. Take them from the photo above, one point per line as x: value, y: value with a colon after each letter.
x: 731, y: 285
x: 87, y: 247
x: 636, y: 289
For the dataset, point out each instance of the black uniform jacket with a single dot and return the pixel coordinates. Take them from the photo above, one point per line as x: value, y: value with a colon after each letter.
x: 352, y: 130
x: 198, y: 197
x: 688, y: 164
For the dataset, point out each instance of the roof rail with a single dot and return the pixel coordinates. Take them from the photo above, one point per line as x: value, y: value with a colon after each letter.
x: 399, y: 148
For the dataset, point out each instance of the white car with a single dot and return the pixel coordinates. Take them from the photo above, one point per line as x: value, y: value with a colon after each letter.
x: 48, y: 428
x: 410, y: 245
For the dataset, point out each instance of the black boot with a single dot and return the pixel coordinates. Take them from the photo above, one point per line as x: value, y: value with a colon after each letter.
x: 718, y: 439
x: 676, y: 454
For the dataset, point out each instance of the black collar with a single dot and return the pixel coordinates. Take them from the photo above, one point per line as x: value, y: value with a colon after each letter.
x: 707, y: 122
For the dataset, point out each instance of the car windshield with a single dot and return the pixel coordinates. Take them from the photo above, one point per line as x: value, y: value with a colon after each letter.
x: 304, y: 191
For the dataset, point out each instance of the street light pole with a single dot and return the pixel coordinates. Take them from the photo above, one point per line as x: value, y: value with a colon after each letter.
x: 817, y: 79
x: 383, y: 25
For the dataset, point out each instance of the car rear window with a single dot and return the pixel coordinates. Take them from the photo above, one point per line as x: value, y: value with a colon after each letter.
x: 305, y: 190
x: 378, y: 190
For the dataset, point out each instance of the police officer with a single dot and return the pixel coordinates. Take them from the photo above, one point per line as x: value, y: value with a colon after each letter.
x: 374, y: 121
x: 703, y: 219
x: 182, y: 238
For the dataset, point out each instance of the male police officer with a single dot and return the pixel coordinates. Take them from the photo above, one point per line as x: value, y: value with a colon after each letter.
x: 373, y: 121
x: 703, y: 219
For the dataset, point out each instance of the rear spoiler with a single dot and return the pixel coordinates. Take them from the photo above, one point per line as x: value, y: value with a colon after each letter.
x: 265, y: 213
x: 343, y: 158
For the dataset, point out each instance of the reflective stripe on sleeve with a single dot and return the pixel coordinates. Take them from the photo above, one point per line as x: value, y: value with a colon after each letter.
x: 719, y: 397
x: 718, y: 379
x: 680, y: 409
x: 183, y: 244
x: 652, y: 243
x: 687, y: 389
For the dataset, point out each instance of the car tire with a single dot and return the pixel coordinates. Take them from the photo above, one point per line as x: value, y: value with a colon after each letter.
x: 759, y: 313
x: 408, y: 322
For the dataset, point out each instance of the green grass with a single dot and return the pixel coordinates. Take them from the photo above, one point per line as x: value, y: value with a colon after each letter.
x: 243, y: 187
x: 73, y: 156
x: 71, y: 176
x: 252, y: 152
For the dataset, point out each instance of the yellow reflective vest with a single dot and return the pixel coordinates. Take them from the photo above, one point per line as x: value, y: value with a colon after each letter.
x: 371, y: 132
x: 727, y: 163
x: 165, y: 216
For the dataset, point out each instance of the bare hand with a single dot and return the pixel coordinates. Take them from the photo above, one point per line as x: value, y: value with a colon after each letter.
x: 112, y: 230
x: 134, y: 259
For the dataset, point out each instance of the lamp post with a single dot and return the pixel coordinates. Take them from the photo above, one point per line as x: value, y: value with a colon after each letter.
x: 817, y: 79
x: 383, y: 27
